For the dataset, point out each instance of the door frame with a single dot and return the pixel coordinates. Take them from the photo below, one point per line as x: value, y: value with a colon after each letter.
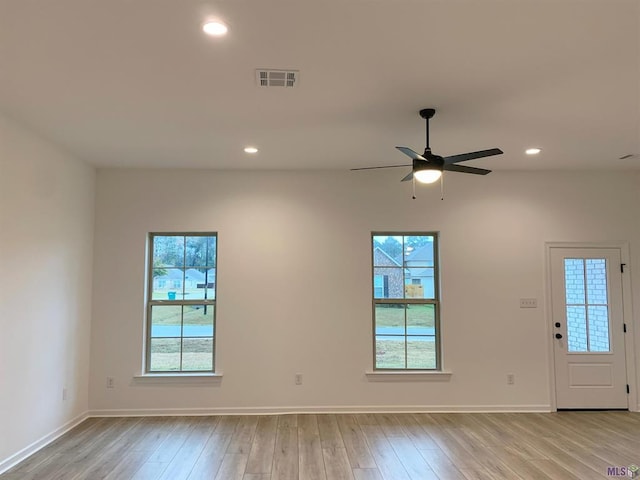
x: 627, y: 311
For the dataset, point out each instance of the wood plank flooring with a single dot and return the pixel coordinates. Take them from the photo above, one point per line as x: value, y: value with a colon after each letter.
x: 497, y: 446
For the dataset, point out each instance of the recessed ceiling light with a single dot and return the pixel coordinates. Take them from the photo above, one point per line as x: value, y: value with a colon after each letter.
x: 532, y: 151
x: 250, y: 150
x: 215, y: 28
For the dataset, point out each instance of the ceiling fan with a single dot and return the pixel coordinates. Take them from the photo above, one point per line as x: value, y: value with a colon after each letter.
x: 428, y: 168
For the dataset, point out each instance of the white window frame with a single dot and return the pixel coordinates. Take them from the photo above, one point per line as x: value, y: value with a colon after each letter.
x: 178, y: 301
x: 409, y: 301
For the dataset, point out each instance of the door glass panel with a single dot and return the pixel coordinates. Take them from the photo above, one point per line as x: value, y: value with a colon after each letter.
x: 597, y: 281
x: 574, y: 280
x: 598, y: 328
x: 577, y: 329
x: 587, y: 311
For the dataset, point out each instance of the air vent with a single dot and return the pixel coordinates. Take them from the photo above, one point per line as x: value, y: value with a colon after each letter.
x: 277, y: 78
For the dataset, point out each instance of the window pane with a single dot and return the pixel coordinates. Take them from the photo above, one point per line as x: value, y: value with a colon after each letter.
x: 387, y: 251
x: 194, y: 284
x: 419, y: 283
x: 168, y: 251
x: 166, y: 321
x: 198, y: 321
x: 378, y: 286
x: 421, y: 352
x: 598, y: 329
x: 197, y: 252
x: 212, y: 245
x: 574, y: 280
x: 577, y: 329
x: 421, y: 320
x: 168, y: 284
x: 390, y: 319
x: 165, y: 354
x: 392, y: 282
x: 597, y: 281
x: 210, y: 278
x: 390, y: 351
x: 197, y: 354
x: 418, y: 251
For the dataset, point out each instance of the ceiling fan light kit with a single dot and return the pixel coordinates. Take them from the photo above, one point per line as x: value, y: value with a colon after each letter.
x: 427, y: 175
x: 428, y: 167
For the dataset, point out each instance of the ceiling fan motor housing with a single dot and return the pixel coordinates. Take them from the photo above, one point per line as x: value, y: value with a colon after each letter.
x: 433, y: 163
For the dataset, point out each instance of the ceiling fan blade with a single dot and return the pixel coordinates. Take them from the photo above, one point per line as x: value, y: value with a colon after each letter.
x: 407, y: 178
x: 463, y: 169
x: 384, y: 166
x: 472, y: 155
x: 410, y: 153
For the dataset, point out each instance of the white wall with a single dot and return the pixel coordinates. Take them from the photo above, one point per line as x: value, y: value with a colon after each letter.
x: 294, y: 281
x: 46, y: 258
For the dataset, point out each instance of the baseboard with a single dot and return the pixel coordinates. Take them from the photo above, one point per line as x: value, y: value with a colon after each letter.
x: 146, y: 412
x: 16, y: 458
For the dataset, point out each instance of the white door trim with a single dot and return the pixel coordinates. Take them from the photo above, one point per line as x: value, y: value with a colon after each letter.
x: 627, y: 308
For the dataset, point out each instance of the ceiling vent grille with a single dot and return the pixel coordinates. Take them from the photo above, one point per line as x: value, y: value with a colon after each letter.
x: 277, y: 78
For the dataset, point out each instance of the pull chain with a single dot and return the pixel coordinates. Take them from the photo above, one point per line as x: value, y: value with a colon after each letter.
x: 413, y: 184
x: 442, y: 186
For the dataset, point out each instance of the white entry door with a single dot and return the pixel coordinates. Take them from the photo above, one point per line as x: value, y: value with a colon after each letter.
x: 588, y: 328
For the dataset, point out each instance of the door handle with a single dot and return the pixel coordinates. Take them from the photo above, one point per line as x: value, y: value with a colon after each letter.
x: 558, y: 336
x: 558, y: 325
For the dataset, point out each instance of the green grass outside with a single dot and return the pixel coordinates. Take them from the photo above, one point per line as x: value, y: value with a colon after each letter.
x: 391, y: 354
x: 390, y: 351
x: 388, y: 315
x: 197, y: 354
x: 171, y: 314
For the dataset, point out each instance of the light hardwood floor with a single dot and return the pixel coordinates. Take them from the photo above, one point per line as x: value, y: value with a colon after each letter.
x: 565, y: 445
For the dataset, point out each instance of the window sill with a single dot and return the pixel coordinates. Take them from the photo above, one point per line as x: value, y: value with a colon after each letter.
x: 407, y: 376
x: 178, y: 378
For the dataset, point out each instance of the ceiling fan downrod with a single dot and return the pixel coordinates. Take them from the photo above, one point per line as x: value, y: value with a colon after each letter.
x: 427, y: 113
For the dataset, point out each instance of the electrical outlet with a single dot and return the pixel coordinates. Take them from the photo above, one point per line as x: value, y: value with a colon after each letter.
x: 298, y: 379
x: 511, y: 378
x: 528, y: 303
x: 111, y: 382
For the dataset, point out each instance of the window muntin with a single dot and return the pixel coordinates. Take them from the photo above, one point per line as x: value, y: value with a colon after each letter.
x: 587, y: 307
x: 405, y: 301
x: 181, y: 302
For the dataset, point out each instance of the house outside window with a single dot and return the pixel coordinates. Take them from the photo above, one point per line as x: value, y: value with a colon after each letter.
x: 181, y: 302
x: 405, y: 301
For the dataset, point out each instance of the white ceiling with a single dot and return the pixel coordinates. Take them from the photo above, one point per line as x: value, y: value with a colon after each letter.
x: 135, y: 83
